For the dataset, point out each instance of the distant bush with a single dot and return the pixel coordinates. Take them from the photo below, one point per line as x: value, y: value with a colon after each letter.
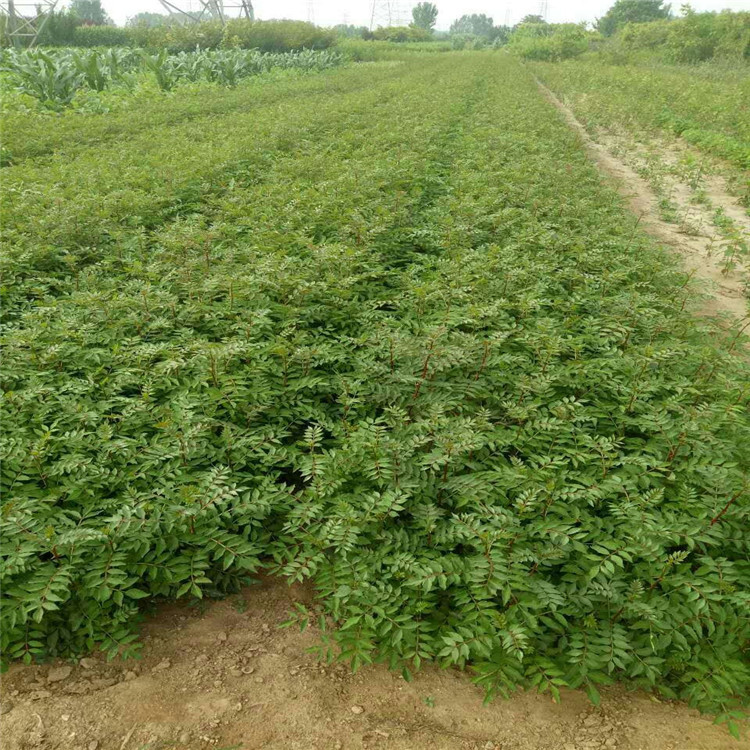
x: 645, y: 35
x: 59, y: 29
x: 277, y: 36
x: 704, y: 36
x: 183, y: 38
x: 349, y: 31
x: 694, y: 38
x: 468, y: 41
x: 550, y: 42
x: 359, y: 50
x: 100, y: 36
x: 631, y: 12
x: 266, y: 36
x: 401, y: 34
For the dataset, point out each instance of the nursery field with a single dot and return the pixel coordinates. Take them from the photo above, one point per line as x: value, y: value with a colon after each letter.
x: 382, y: 328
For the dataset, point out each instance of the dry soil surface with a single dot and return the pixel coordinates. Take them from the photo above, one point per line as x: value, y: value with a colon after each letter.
x: 229, y: 677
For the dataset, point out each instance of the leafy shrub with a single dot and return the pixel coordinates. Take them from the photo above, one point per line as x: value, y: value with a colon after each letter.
x: 178, y: 38
x: 349, y: 31
x: 266, y: 36
x: 402, y: 34
x: 59, y: 29
x: 277, y: 36
x: 703, y: 36
x: 100, y: 36
x: 694, y: 38
x: 637, y: 36
x: 361, y: 50
x: 462, y: 41
x: 550, y: 42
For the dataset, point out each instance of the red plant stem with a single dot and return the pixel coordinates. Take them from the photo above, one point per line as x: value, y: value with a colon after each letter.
x: 734, y: 497
x: 484, y: 360
x: 423, y: 377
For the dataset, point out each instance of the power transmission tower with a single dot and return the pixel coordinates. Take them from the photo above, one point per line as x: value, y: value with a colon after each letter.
x: 386, y: 13
x: 26, y: 20
x: 209, y: 10
x: 543, y: 9
x: 240, y: 9
x: 311, y: 11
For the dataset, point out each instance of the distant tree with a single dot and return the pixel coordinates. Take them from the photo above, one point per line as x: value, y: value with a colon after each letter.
x: 501, y: 35
x: 532, y: 19
x: 58, y: 30
x: 477, y: 24
x: 149, y: 20
x: 424, y: 16
x: 631, y: 11
x: 350, y: 31
x: 89, y: 12
x: 402, y: 34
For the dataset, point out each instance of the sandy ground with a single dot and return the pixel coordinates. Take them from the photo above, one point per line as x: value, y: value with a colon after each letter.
x: 698, y: 248
x: 229, y: 677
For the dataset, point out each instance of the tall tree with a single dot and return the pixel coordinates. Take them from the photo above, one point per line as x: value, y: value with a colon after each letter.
x: 477, y: 23
x: 89, y: 12
x: 532, y: 19
x: 424, y: 16
x: 631, y: 11
x: 148, y: 19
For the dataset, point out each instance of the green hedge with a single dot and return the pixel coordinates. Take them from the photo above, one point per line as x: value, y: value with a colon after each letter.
x: 550, y: 42
x: 100, y: 36
x: 697, y: 37
x: 402, y: 34
x: 267, y: 36
x: 277, y: 36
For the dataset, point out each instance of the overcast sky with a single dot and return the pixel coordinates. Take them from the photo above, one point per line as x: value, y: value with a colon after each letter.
x: 329, y: 12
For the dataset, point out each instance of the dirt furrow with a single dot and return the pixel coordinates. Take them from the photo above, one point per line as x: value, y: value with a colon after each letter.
x: 727, y: 289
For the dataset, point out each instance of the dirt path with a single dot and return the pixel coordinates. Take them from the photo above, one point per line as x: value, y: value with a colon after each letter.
x: 697, y: 250
x: 228, y: 677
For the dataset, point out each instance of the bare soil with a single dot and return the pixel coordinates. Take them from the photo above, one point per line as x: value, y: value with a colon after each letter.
x: 229, y: 677
x: 697, y: 246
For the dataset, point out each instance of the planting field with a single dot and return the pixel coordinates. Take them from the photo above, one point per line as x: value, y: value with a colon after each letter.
x: 383, y: 328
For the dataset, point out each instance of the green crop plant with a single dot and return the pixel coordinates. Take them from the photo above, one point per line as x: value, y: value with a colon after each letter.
x: 54, y: 76
x: 92, y: 66
x: 54, y: 82
x: 164, y: 69
x: 380, y: 340
x: 225, y: 67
